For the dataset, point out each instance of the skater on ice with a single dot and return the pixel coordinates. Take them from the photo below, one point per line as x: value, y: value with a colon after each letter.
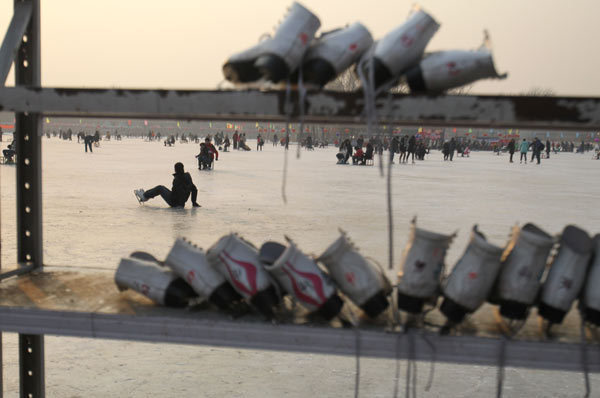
x: 179, y: 193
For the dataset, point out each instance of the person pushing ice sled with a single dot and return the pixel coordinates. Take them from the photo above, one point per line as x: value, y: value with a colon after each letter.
x: 179, y: 193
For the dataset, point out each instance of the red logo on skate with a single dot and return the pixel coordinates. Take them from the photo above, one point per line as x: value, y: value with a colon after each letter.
x: 353, y: 46
x: 306, y: 279
x: 249, y: 288
x: 452, y: 70
x: 472, y: 275
x: 407, y: 40
x: 303, y: 38
x: 145, y: 289
x: 566, y: 283
x: 350, y: 277
x: 190, y: 276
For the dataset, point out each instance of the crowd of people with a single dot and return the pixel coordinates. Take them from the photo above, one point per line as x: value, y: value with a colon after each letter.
x: 405, y: 148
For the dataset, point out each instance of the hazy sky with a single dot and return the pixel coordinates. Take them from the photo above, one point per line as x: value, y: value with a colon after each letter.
x: 551, y: 44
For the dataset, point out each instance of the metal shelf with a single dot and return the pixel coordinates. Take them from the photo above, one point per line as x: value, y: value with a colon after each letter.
x: 567, y: 113
x: 89, y: 305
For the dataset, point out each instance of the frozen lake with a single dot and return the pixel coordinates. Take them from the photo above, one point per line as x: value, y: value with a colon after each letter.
x: 92, y: 219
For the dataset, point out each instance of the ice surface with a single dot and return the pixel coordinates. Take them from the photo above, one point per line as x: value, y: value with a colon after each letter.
x: 91, y: 219
x: 91, y: 216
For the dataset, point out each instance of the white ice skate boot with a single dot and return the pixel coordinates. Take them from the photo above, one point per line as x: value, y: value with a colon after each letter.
x: 189, y: 262
x: 139, y: 194
x: 567, y: 274
x: 334, y: 52
x: 591, y: 296
x: 358, y: 278
x: 302, y: 278
x: 523, y: 264
x: 443, y: 70
x: 401, y: 49
x: 472, y: 278
x: 238, y: 262
x: 276, y: 57
x: 160, y: 285
x: 422, y: 268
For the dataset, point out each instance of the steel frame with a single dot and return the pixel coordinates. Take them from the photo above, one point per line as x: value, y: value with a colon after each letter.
x: 181, y: 327
x: 29, y: 101
x: 22, y: 44
x: 521, y: 112
x: 14, y: 37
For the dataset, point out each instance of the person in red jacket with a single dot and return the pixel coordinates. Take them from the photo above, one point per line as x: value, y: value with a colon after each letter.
x: 212, y: 151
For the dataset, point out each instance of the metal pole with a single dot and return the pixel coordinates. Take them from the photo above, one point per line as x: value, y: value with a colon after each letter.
x: 29, y: 195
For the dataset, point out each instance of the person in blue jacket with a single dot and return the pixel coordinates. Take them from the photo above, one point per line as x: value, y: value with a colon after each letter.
x: 524, y: 148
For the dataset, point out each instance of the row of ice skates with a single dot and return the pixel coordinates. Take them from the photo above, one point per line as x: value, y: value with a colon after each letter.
x: 295, y: 49
x: 534, y: 269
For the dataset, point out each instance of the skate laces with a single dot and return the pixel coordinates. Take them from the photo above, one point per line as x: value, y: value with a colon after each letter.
x: 371, y: 116
x: 584, y: 362
x: 301, y: 99
x: 288, y: 112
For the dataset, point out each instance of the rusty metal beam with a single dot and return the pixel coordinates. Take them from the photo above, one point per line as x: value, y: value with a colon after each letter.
x: 14, y: 36
x: 564, y: 113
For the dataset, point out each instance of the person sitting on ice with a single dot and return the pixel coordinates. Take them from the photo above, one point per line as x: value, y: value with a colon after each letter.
x: 10, y: 152
x: 359, y: 156
x: 208, y: 153
x: 183, y: 186
x: 345, y: 152
x: 203, y: 157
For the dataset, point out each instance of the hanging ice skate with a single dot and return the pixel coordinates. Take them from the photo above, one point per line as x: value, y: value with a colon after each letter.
x: 357, y: 278
x: 334, y: 52
x: 422, y: 268
x: 189, y: 262
x: 444, y: 70
x: 276, y: 57
x: 590, y: 305
x: 401, y: 49
x: 472, y: 278
x: 302, y: 278
x: 523, y: 264
x: 238, y: 262
x: 158, y: 284
x: 567, y: 274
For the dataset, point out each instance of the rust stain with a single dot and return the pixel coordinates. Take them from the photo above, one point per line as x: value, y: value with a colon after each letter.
x: 35, y: 294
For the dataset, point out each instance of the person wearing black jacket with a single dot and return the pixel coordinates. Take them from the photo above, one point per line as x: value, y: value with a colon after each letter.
x: 179, y: 193
x: 511, y: 149
x: 412, y: 148
x: 451, y: 148
x: 394, y: 147
x: 369, y: 152
x: 537, y: 148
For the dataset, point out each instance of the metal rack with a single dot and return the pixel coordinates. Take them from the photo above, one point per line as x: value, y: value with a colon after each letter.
x: 29, y: 101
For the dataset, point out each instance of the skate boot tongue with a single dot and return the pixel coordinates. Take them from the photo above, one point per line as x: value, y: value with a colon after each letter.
x: 318, y: 71
x: 272, y: 67
x: 536, y: 230
x: 577, y: 239
x: 269, y: 252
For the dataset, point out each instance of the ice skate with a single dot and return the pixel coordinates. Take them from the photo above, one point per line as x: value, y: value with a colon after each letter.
x: 139, y: 195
